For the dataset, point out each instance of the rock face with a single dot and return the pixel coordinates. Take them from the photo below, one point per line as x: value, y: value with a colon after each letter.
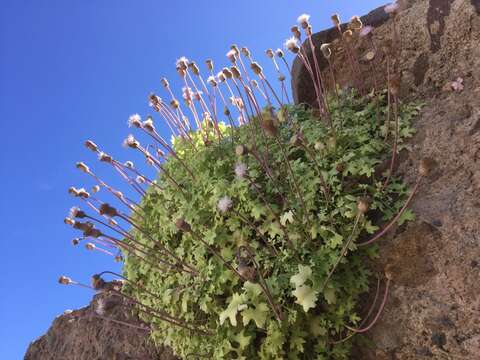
x: 97, y: 332
x: 434, y: 308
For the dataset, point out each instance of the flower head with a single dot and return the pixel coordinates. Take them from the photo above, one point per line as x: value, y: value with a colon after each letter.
x: 135, y: 120
x: 104, y: 157
x: 211, y: 80
x: 95, y: 189
x: 64, y: 280
x: 240, y: 170
x: 182, y: 63
x: 130, y: 142
x: 303, y: 20
x: 366, y: 30
x: 279, y: 53
x: 129, y: 164
x: 269, y: 53
x: 91, y: 145
x: 148, y: 124
x: 224, y: 204
x: 326, y: 50
x: 90, y: 246
x: 231, y: 55
x: 75, y: 212
x: 82, y: 167
x: 291, y: 44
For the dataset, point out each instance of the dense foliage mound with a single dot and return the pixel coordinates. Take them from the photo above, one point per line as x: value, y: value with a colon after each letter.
x: 265, y: 220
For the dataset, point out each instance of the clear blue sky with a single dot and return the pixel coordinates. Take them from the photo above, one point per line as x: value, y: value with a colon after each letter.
x: 76, y: 69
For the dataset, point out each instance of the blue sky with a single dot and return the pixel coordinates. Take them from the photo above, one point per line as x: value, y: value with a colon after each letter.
x: 74, y: 70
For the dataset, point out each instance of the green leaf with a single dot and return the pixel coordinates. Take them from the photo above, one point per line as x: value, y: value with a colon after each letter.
x: 304, y: 273
x: 306, y: 297
x: 407, y: 215
x: 287, y: 217
x: 236, y: 305
x: 259, y: 315
x: 329, y: 294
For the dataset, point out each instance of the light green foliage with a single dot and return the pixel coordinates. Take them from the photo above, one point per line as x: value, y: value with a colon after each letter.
x: 237, y: 313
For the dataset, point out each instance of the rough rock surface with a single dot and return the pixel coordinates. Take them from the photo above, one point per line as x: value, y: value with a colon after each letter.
x: 433, y: 310
x: 94, y: 333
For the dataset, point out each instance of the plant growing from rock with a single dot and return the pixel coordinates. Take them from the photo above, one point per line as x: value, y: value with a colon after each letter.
x: 246, y: 245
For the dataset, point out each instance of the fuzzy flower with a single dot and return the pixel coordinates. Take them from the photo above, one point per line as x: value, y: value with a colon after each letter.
x: 366, y: 30
x: 148, y: 124
x: 224, y: 204
x: 392, y: 8
x: 182, y: 63
x: 291, y: 44
x: 130, y: 142
x: 240, y: 170
x: 231, y: 55
x: 279, y: 53
x: 211, y: 80
x: 187, y: 93
x: 457, y: 85
x: 135, y: 120
x: 104, y: 157
x: 303, y: 20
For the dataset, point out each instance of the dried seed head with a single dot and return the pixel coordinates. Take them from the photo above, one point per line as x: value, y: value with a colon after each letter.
x: 241, y: 150
x: 82, y: 167
x: 221, y: 77
x: 269, y: 53
x: 106, y: 209
x: 83, y: 225
x: 254, y: 83
x: 291, y: 44
x: 256, y: 68
x: 135, y: 121
x: 69, y: 221
x: 335, y: 19
x: 235, y: 72
x: 75, y: 241
x: 90, y: 246
x: 268, y: 125
x: 182, y: 225
x: 181, y: 71
x: 182, y: 63
x: 129, y: 164
x: 303, y: 20
x: 234, y: 47
x: 281, y: 77
x: 174, y: 103
x: 64, y: 280
x: 348, y: 36
x: 92, y: 232
x: 209, y: 63
x: 227, y: 73
x: 131, y: 142
x: 326, y: 50
x: 164, y: 82
x: 104, y: 157
x: 279, y: 53
x: 224, y: 204
x: 91, y: 145
x: 83, y: 193
x: 366, y: 31
x: 76, y: 212
x: 231, y: 55
x: 426, y: 166
x: 245, y: 51
x: 95, y: 189
x: 98, y: 283
x: 363, y: 205
x: 296, y: 32
x: 73, y: 191
x: 355, y: 23
x: 240, y: 170
x: 140, y: 179
x: 211, y: 80
x: 148, y: 124
x: 194, y: 68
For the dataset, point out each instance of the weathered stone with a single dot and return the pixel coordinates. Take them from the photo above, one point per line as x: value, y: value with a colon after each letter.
x: 434, y: 305
x: 84, y: 335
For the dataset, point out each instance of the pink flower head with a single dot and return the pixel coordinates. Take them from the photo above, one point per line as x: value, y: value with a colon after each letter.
x: 366, y: 30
